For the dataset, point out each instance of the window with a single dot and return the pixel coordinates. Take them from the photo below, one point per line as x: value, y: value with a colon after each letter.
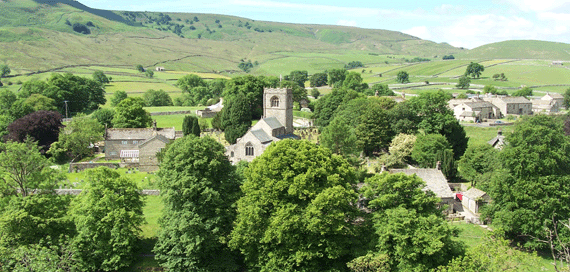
x: 274, y: 101
x: 135, y: 142
x: 124, y: 142
x: 232, y: 154
x: 249, y: 149
x: 113, y: 153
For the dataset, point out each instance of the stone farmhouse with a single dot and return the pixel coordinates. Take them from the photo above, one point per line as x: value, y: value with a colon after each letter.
x: 481, y: 109
x: 545, y: 106
x: 499, y: 141
x: 435, y: 182
x: 276, y: 124
x: 476, y: 111
x: 137, y: 145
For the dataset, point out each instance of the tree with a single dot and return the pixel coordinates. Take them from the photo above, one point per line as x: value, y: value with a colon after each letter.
x: 252, y: 88
x: 199, y: 188
x: 336, y: 77
x: 108, y: 216
x: 409, y: 228
x: 41, y: 126
x: 24, y: 170
x: 353, y: 64
x: 188, y: 82
x: 379, y: 89
x: 236, y: 118
x: 131, y: 114
x: 426, y: 148
x: 478, y: 164
x: 39, y: 257
x: 81, y: 94
x: 526, y: 194
x: 104, y: 116
x: 474, y: 70
x: 149, y: 73
x: 328, y: 105
x: 318, y: 79
x: 190, y: 125
x: 373, y: 131
x: 353, y: 81
x: 139, y: 68
x: 400, y: 150
x: 403, y: 77
x: 158, y: 98
x: 464, y: 82
x: 447, y: 163
x: 299, y: 77
x: 4, y: 71
x: 431, y: 114
x: 566, y: 101
x: 77, y: 138
x: 339, y: 137
x: 448, y: 57
x: 100, y: 77
x: 525, y: 91
x: 7, y: 98
x: 118, y: 96
x: 315, y: 93
x: 297, y: 212
x: 39, y: 102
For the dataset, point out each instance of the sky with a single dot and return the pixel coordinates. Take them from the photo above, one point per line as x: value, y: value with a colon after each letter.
x: 467, y: 24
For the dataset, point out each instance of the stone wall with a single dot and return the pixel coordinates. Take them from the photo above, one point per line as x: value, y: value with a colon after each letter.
x: 170, y: 113
x: 80, y: 166
x: 78, y: 191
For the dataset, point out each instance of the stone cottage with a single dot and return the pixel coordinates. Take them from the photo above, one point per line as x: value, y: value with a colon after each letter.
x: 515, y: 105
x: 276, y: 124
x: 137, y: 145
x: 476, y: 111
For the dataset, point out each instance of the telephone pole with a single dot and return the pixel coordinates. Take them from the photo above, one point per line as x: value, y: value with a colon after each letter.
x: 65, y: 108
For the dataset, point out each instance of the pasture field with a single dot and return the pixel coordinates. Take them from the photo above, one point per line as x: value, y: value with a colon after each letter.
x: 481, y: 135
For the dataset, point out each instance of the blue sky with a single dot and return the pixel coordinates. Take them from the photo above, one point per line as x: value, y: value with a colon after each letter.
x: 460, y: 23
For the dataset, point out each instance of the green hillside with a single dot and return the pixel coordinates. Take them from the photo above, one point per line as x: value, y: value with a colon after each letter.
x: 39, y: 35
x: 520, y: 49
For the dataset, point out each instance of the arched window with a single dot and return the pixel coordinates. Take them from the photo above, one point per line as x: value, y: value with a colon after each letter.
x: 249, y: 149
x: 274, y: 101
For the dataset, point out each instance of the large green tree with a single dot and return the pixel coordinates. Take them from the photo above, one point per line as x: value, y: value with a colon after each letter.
x: 131, y: 114
x: 117, y: 97
x: 339, y: 137
x: 199, y: 188
x: 80, y: 93
x: 299, y: 77
x: 403, y: 77
x: 236, y: 117
x: 426, y: 148
x: 108, y: 216
x: 252, y: 88
x: 318, y: 79
x: 190, y: 125
x: 409, y: 228
x: 373, y: 131
x: 336, y: 77
x: 474, y: 70
x: 353, y: 81
x: 24, y: 170
x: 297, y: 212
x: 4, y: 70
x: 77, y: 138
x: 154, y: 98
x: 530, y: 194
x: 478, y: 164
x: 328, y: 105
x: 566, y: 102
x: 100, y: 77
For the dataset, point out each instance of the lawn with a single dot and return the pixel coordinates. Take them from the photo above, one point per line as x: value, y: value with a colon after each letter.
x: 481, y: 135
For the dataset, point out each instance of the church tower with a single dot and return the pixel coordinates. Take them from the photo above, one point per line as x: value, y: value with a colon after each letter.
x: 278, y: 103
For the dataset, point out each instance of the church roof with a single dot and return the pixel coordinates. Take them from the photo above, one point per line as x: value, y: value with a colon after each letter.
x: 261, y: 136
x: 272, y: 122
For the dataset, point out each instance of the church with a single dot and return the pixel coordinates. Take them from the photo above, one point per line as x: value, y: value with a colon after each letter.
x: 276, y: 124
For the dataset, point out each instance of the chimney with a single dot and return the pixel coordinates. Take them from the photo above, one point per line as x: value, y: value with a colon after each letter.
x: 438, y: 165
x: 500, y: 132
x: 154, y: 125
x: 383, y: 168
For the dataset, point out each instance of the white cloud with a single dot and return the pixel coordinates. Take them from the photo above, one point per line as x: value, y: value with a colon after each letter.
x: 540, y: 6
x: 346, y: 23
x: 421, y: 32
x: 446, y: 9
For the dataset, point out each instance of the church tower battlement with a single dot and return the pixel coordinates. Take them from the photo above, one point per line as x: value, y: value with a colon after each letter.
x: 278, y: 103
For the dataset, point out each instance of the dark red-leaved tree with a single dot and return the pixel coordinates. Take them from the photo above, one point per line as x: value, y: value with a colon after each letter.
x: 41, y: 126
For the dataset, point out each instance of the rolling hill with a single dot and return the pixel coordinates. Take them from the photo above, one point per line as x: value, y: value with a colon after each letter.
x: 39, y: 35
x: 520, y: 49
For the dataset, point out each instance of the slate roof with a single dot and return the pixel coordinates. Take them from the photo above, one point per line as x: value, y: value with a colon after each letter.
x: 272, y: 122
x: 261, y: 136
x: 158, y: 137
x: 138, y: 133
x: 474, y: 193
x: 555, y: 95
x: 482, y: 104
x: 514, y: 99
x: 435, y: 180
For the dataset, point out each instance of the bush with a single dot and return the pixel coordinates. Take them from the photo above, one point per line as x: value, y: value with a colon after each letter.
x: 81, y: 28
